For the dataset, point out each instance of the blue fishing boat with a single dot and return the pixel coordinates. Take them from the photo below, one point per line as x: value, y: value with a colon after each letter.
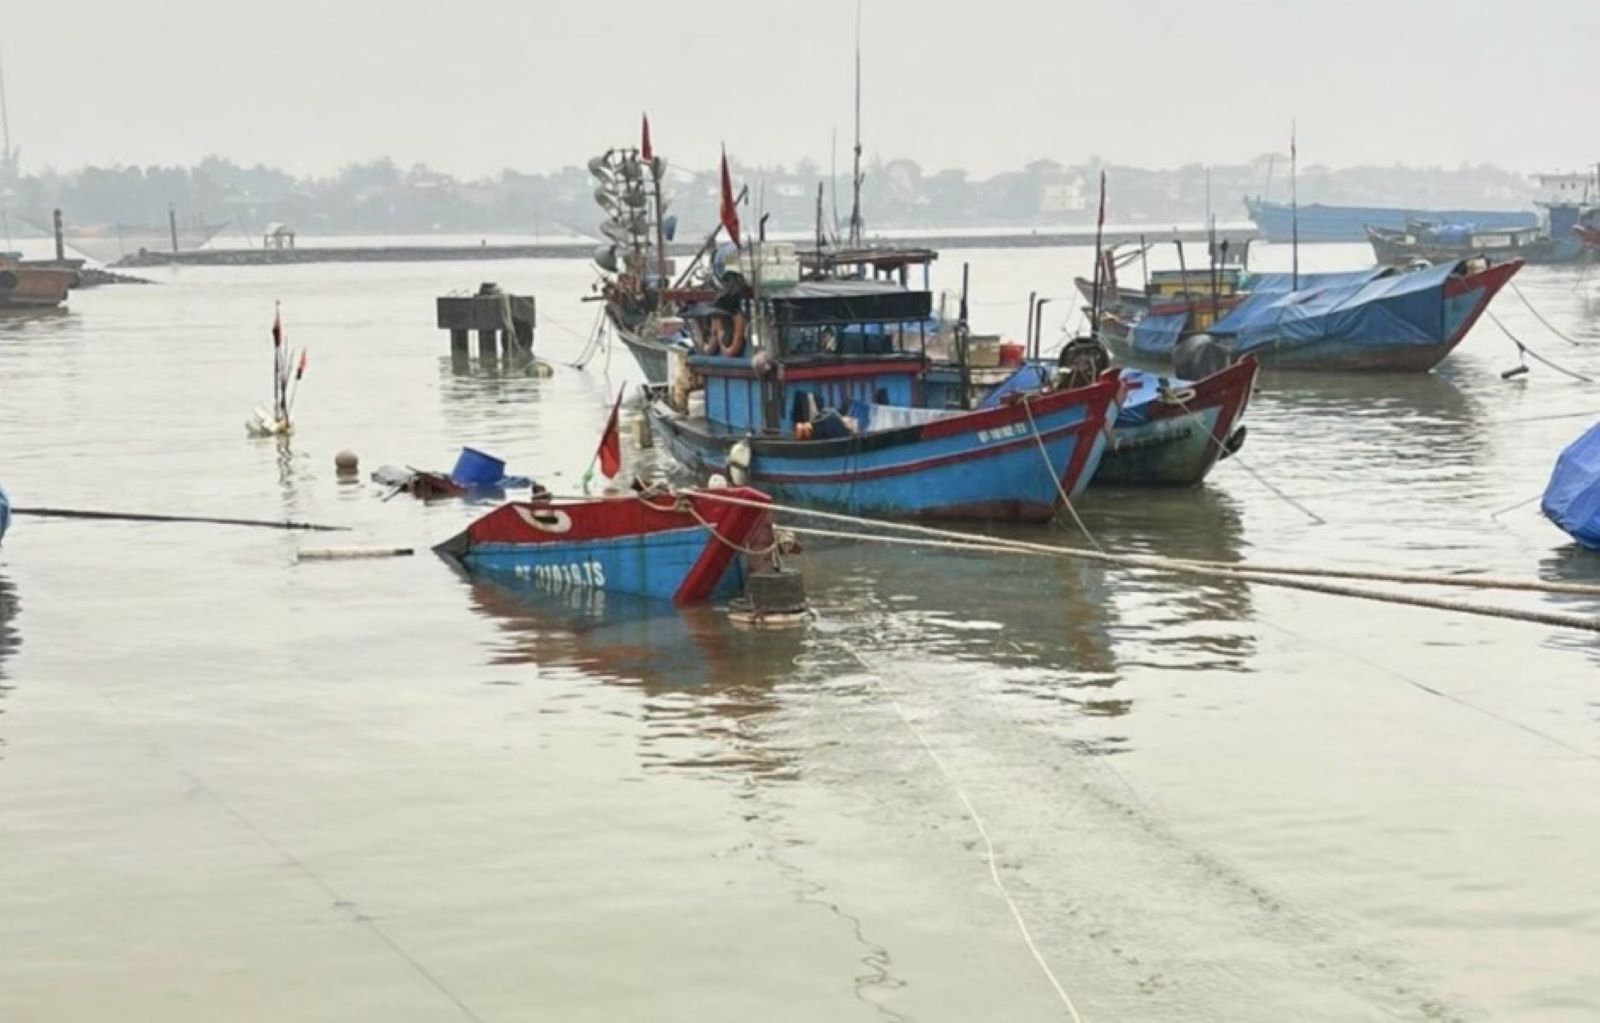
x: 1319, y: 223
x: 1379, y: 319
x: 685, y: 548
x: 1572, y: 497
x: 820, y: 403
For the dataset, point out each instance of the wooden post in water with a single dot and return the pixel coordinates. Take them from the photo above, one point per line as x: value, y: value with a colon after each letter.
x: 487, y: 351
x: 61, y: 244
x: 172, y: 225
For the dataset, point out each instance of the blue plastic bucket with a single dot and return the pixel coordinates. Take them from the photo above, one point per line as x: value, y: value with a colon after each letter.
x: 474, y: 468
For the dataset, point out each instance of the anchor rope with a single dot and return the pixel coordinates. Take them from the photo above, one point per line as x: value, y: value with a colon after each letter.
x: 983, y: 833
x: 1525, y: 350
x: 1540, y: 316
x: 1285, y: 498
x: 1027, y: 406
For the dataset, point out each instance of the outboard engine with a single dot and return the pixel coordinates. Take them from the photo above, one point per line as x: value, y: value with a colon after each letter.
x: 1081, y: 362
x: 1198, y: 356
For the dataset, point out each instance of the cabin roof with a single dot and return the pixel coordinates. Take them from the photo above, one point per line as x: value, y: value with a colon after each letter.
x: 837, y: 302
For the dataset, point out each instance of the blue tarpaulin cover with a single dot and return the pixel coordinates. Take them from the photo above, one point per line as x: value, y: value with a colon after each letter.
x: 1572, y: 497
x: 1157, y: 335
x: 1369, y: 307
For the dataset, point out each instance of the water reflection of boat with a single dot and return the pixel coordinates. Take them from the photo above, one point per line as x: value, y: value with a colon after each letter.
x: 1058, y: 629
x: 10, y: 638
x: 632, y: 641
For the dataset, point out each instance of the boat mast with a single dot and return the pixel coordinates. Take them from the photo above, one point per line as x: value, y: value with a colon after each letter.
x: 855, y: 176
x: 1294, y: 203
x: 10, y: 162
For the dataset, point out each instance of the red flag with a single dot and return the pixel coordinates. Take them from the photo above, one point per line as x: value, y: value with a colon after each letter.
x: 277, y: 327
x: 300, y: 372
x: 730, y: 213
x: 610, y: 452
x: 645, y: 152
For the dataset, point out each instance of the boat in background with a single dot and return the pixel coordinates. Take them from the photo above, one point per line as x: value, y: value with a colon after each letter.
x: 685, y: 548
x: 5, y: 512
x: 29, y: 285
x: 1319, y: 223
x: 1572, y: 497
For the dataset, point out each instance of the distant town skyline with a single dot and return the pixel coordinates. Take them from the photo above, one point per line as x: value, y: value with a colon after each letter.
x: 478, y: 86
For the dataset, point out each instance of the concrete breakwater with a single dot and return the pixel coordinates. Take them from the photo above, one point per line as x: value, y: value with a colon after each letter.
x: 1062, y: 237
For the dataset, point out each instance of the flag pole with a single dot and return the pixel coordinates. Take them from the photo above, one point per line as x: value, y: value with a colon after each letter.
x: 605, y: 435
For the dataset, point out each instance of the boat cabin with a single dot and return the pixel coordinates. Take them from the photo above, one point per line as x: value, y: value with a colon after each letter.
x: 808, y: 359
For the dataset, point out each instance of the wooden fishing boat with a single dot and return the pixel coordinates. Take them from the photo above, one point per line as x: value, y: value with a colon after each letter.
x: 1435, y: 243
x: 1383, y: 318
x: 34, y: 287
x: 1168, y: 432
x: 680, y: 547
x: 1171, y: 433
x: 822, y: 408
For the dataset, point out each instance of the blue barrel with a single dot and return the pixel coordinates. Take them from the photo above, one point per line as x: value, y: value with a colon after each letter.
x: 476, y: 469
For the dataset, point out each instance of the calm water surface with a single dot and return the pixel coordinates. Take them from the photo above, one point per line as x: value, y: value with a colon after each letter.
x: 234, y: 787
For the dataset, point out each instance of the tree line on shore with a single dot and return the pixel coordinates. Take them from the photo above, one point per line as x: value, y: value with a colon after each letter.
x: 380, y: 197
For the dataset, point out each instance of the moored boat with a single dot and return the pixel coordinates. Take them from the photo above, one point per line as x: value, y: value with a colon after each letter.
x: 1171, y: 432
x: 1379, y: 319
x: 1320, y: 223
x: 1572, y: 497
x: 24, y: 286
x: 822, y: 409
x: 685, y: 548
x: 5, y: 513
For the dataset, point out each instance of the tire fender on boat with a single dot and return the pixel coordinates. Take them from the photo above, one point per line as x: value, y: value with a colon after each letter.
x: 739, y: 463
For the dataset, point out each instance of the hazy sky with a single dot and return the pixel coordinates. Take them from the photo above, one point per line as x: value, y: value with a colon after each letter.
x: 472, y: 86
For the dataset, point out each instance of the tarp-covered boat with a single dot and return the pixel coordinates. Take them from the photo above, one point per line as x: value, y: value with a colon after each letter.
x: 1380, y: 318
x: 1572, y: 497
x: 684, y: 548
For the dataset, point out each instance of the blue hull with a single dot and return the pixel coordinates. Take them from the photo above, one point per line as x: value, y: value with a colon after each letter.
x: 653, y: 565
x: 1319, y: 223
x: 982, y: 465
x: 5, y: 513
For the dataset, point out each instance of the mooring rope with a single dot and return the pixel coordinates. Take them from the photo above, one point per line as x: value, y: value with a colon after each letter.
x: 1246, y: 573
x: 1540, y: 316
x: 983, y: 833
x: 1027, y: 406
x: 119, y: 516
x: 1525, y: 350
x: 1285, y: 498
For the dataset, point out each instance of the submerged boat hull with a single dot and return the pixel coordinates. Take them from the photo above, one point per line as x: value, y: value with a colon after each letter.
x: 996, y: 465
x: 683, y: 549
x: 1176, y: 440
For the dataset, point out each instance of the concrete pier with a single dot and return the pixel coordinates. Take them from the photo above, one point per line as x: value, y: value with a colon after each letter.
x: 504, y: 323
x: 1051, y: 237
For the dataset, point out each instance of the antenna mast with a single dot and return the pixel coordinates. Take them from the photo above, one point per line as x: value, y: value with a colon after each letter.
x: 5, y: 129
x: 855, y: 177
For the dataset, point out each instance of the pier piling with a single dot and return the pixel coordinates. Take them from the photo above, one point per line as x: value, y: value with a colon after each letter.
x: 504, y: 323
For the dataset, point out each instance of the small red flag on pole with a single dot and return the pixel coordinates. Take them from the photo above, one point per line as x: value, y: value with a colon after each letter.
x: 645, y: 152
x: 730, y: 212
x: 609, y: 453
